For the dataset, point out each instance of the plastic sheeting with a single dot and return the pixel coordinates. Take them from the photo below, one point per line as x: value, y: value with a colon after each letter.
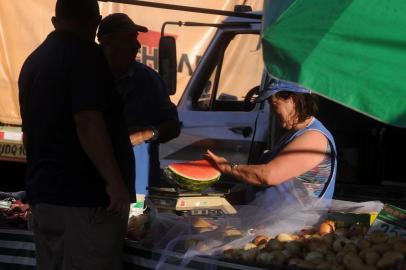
x: 172, y: 233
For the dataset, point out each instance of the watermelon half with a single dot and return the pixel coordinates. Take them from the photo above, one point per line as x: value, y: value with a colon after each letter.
x: 193, y: 175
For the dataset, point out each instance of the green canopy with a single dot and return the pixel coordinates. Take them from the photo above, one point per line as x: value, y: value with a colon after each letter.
x: 350, y: 51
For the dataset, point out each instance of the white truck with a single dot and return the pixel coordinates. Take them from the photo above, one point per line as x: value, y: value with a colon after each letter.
x: 215, y: 109
x: 214, y: 117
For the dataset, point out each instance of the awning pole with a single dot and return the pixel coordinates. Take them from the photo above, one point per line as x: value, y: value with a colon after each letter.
x: 186, y: 8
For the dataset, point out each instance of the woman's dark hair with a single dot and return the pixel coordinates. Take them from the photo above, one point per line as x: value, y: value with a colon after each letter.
x: 306, y: 104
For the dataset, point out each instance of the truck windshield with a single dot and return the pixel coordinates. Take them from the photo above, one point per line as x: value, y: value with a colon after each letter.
x: 238, y: 70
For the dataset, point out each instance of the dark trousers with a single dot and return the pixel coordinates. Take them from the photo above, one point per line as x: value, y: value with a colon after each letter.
x: 77, y: 237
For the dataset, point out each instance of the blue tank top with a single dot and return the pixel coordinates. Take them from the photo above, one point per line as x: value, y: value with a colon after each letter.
x: 318, y: 182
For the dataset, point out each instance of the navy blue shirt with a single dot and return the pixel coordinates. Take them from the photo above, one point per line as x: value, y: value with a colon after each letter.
x: 146, y: 103
x: 63, y: 76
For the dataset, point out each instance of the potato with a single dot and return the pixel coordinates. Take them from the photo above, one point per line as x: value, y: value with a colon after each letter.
x: 364, y: 267
x: 370, y: 257
x: 329, y: 238
x: 308, y: 231
x: 323, y: 266
x: 363, y: 244
x: 232, y: 253
x: 317, y: 245
x: 393, y: 239
x: 294, y: 261
x: 294, y: 247
x: 305, y: 264
x: 356, y: 239
x: 307, y: 236
x: 274, y: 257
x: 314, y: 257
x: 260, y: 239
x: 378, y: 237
x: 330, y: 257
x: 261, y: 247
x: 340, y: 255
x: 249, y: 246
x: 357, y: 229
x: 389, y: 259
x: 339, y: 244
x: 277, y: 257
x: 274, y: 244
x: 350, y: 247
x: 381, y: 248
x: 284, y: 237
x: 400, y: 245
x: 137, y: 226
x: 231, y: 232
x: 249, y: 255
x: 341, y: 232
x: 336, y: 266
x: 315, y: 236
x: 327, y: 226
x: 264, y: 257
x: 288, y: 254
x: 352, y: 261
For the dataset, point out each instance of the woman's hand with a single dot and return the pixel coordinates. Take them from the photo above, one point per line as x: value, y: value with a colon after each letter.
x: 220, y: 162
x: 250, y: 174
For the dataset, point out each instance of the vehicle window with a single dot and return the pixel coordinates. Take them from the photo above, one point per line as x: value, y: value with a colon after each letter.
x: 240, y: 71
x: 242, y: 68
x: 204, y: 102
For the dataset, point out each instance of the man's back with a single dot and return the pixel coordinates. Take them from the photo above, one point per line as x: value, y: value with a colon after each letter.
x: 63, y: 76
x: 144, y: 93
x: 147, y: 103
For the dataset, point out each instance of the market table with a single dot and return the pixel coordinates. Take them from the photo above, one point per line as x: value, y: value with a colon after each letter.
x: 17, y: 252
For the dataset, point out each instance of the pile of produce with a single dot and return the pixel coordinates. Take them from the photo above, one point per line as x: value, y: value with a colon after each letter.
x: 13, y: 214
x: 137, y: 226
x: 194, y: 175
x: 331, y: 246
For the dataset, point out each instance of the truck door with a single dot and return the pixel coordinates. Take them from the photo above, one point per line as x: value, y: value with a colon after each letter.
x: 213, y: 110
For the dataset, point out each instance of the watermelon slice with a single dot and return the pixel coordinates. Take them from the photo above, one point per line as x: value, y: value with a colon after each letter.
x: 193, y: 175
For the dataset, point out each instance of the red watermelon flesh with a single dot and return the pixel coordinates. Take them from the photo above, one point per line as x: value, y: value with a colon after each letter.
x: 193, y: 175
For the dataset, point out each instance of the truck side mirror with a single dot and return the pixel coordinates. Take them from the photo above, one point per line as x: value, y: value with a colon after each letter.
x: 167, y: 62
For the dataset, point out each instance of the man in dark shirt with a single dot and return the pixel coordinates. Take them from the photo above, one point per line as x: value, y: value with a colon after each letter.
x: 80, y: 176
x: 150, y: 114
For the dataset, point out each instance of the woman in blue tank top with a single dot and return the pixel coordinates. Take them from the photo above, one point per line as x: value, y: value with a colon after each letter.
x: 303, y: 164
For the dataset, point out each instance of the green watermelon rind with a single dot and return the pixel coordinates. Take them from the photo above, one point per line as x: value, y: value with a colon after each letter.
x: 187, y: 183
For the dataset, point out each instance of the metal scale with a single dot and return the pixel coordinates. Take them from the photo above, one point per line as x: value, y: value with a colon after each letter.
x: 210, y: 202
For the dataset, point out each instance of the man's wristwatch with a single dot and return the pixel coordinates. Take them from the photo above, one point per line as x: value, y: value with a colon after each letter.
x: 155, y: 134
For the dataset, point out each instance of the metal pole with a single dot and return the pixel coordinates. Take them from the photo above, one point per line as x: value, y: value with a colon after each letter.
x: 186, y: 8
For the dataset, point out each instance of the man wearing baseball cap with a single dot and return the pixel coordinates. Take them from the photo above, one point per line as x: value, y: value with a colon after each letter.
x: 151, y: 116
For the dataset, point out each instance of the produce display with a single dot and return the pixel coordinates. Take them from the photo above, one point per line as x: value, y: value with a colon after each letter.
x: 194, y: 175
x: 13, y: 214
x: 331, y: 246
x: 137, y: 227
